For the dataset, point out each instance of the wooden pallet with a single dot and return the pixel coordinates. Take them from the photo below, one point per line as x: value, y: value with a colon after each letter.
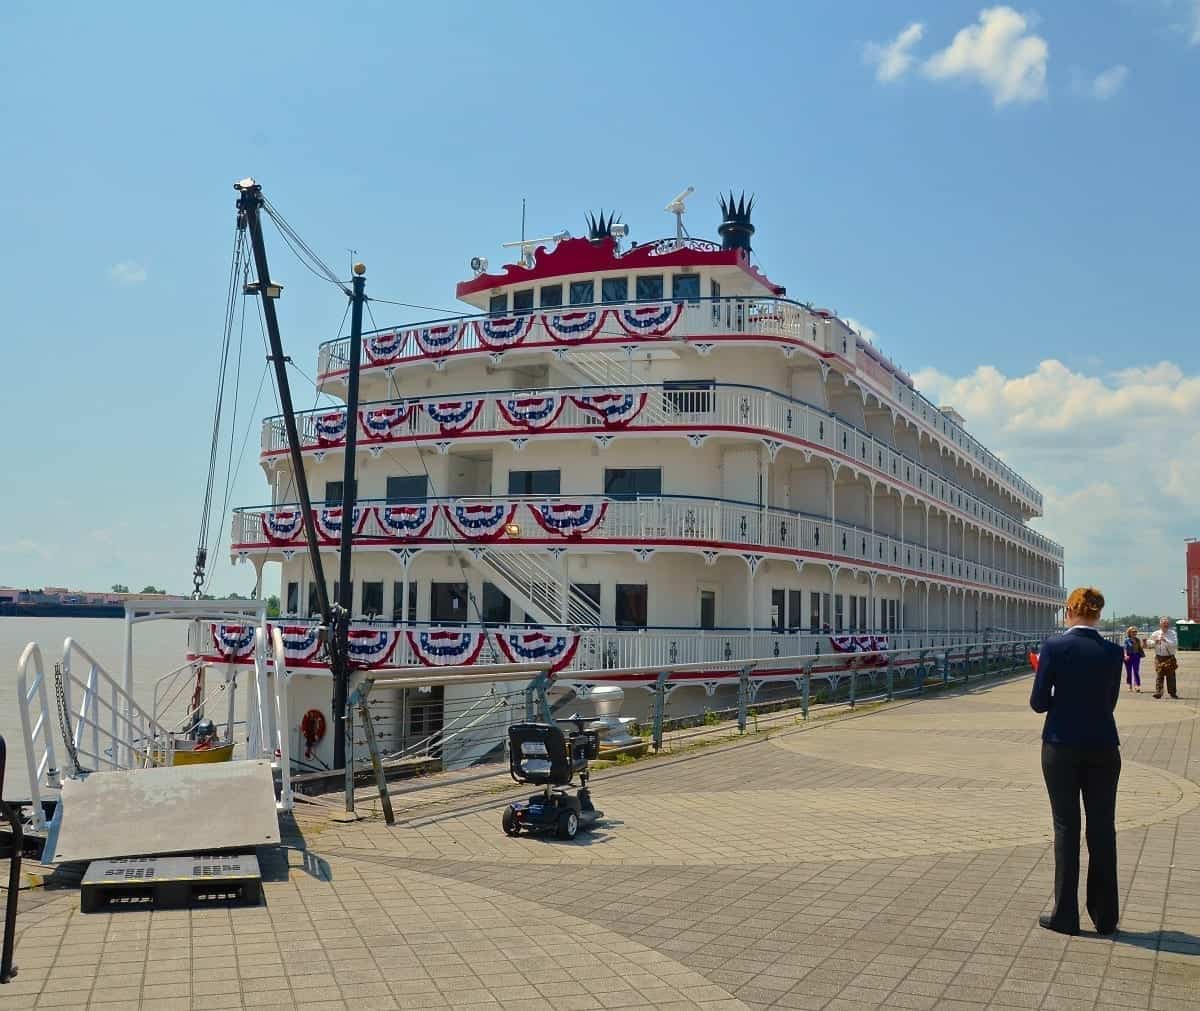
x: 171, y: 882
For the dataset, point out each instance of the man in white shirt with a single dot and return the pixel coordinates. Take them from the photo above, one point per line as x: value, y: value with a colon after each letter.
x: 1164, y: 642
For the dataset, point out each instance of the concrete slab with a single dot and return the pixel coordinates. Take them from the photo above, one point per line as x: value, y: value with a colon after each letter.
x: 181, y: 809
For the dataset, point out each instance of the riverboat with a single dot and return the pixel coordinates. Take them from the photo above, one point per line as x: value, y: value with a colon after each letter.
x: 627, y: 454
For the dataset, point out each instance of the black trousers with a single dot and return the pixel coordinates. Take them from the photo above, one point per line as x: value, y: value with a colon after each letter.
x: 1070, y: 773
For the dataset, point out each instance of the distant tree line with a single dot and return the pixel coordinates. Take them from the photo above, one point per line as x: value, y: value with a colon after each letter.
x: 272, y: 601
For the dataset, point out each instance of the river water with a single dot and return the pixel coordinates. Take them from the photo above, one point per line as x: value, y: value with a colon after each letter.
x: 158, y: 647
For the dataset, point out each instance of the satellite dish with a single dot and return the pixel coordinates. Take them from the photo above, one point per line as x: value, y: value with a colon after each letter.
x: 479, y: 264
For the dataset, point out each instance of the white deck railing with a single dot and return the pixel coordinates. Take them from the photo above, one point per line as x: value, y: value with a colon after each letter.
x: 718, y: 410
x: 673, y: 522
x: 723, y: 319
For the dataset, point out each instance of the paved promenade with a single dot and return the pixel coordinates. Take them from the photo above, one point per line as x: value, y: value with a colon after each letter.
x: 897, y: 858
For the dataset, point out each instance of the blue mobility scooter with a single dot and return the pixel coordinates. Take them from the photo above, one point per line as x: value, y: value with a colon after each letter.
x: 545, y: 755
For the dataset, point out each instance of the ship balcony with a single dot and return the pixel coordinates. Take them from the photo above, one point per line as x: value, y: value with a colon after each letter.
x: 607, y: 412
x: 703, y: 324
x: 641, y: 526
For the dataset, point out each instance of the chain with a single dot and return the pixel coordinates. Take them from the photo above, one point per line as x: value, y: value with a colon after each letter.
x: 64, y: 721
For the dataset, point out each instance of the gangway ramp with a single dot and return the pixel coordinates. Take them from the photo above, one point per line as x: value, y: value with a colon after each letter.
x: 172, y: 809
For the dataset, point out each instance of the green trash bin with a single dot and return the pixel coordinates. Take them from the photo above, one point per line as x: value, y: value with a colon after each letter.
x: 1189, y: 634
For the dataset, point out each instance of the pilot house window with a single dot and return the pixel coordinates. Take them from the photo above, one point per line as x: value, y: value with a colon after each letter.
x: 583, y: 292
x: 522, y: 301
x: 685, y: 287
x: 650, y: 288
x: 614, y: 289
x: 551, y: 296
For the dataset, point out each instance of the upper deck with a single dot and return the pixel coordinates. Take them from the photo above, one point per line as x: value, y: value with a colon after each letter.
x: 578, y: 296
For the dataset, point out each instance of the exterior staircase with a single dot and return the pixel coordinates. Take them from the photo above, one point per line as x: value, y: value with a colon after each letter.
x: 534, y: 582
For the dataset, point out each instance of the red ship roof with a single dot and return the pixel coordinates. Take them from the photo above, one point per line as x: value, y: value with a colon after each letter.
x: 585, y: 256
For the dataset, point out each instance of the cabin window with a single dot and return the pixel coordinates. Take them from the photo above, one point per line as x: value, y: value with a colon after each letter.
x: 337, y: 596
x: 498, y: 305
x: 689, y: 396
x: 632, y: 604
x: 714, y: 291
x: 708, y: 609
x: 314, y: 605
x: 583, y: 292
x: 522, y: 301
x: 293, y: 599
x: 864, y: 622
x: 533, y: 482
x: 839, y: 613
x: 497, y: 609
x: 853, y: 626
x: 825, y: 612
x: 795, y: 618
x: 778, y: 615
x: 814, y: 611
x: 333, y: 493
x: 685, y: 287
x: 551, y: 296
x: 448, y: 602
x: 650, y: 288
x: 372, y: 599
x: 398, y: 602
x: 632, y: 482
x: 408, y: 488
x: 614, y: 289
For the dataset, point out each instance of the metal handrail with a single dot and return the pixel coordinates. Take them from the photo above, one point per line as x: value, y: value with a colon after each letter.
x: 44, y: 763
x: 699, y: 521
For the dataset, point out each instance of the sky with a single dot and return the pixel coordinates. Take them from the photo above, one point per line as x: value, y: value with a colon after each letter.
x: 1004, y: 199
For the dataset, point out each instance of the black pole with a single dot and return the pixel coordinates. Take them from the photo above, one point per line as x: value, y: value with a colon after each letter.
x: 341, y: 676
x: 7, y: 970
x: 248, y: 207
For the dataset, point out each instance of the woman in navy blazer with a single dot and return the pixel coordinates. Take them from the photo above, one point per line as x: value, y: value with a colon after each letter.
x: 1077, y: 685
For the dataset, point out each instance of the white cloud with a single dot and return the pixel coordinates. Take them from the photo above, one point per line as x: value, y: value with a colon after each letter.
x: 1108, y: 82
x: 127, y: 272
x: 865, y: 332
x: 999, y: 53
x: 1113, y: 455
x: 892, y: 60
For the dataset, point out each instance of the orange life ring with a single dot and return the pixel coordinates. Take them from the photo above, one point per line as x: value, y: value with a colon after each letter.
x: 312, y: 729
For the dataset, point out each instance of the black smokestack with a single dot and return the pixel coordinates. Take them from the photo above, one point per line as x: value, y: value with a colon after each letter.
x: 735, y: 229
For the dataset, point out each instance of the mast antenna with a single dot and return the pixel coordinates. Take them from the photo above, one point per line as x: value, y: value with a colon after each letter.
x: 678, y: 208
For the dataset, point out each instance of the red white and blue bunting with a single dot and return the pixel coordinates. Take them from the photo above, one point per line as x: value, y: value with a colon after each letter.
x: 574, y: 327
x: 301, y: 643
x: 441, y: 647
x: 570, y: 519
x: 536, y: 646
x: 481, y: 521
x: 858, y: 643
x: 329, y: 523
x: 233, y: 642
x: 330, y: 428
x: 380, y: 423
x: 369, y: 647
x: 657, y: 319
x: 407, y: 521
x: 532, y: 413
x: 437, y: 340
x: 454, y: 415
x: 282, y: 526
x: 381, y: 348
x: 615, y: 409
x: 502, y: 334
